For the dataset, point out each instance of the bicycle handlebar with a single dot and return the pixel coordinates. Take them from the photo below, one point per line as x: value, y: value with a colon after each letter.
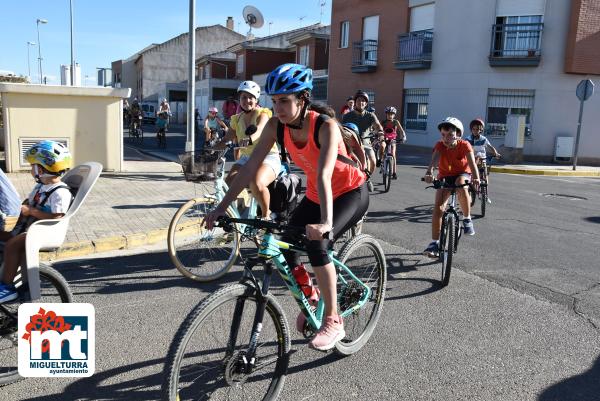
x: 226, y: 222
x: 438, y: 184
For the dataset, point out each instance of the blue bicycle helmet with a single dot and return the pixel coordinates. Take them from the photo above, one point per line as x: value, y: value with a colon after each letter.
x: 289, y: 78
x: 352, y: 127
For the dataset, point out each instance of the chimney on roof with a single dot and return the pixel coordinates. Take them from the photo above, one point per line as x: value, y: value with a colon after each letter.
x: 229, y: 23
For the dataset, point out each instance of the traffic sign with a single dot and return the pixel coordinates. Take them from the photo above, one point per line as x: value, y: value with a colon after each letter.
x: 585, y: 90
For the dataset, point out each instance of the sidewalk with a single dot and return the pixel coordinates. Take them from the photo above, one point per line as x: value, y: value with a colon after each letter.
x: 123, y: 211
x: 547, y: 169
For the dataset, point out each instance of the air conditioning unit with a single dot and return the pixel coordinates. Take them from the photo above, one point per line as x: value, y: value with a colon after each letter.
x: 563, y: 149
x: 26, y: 143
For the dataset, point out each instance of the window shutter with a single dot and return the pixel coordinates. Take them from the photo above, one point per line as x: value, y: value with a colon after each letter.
x: 511, y: 8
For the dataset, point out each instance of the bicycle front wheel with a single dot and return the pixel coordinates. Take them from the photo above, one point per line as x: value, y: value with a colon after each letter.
x: 54, y: 289
x: 387, y: 175
x: 365, y: 258
x: 200, y: 254
x: 207, y: 358
x: 447, y: 244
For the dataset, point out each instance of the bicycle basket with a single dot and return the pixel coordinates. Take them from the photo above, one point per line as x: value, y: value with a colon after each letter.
x: 201, y: 165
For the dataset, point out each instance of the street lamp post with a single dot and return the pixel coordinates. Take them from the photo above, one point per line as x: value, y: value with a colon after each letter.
x: 38, y: 22
x: 72, y: 53
x: 28, y: 63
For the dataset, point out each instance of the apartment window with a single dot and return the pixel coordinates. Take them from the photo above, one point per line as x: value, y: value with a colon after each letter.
x: 239, y: 67
x: 502, y: 102
x: 344, y: 34
x: 518, y: 36
x: 303, y: 55
x: 422, y: 17
x: 416, y: 104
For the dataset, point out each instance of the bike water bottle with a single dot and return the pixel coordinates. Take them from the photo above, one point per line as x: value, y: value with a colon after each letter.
x: 303, y: 279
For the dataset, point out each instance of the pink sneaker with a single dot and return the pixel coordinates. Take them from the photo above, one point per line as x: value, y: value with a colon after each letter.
x: 313, y: 300
x: 330, y: 333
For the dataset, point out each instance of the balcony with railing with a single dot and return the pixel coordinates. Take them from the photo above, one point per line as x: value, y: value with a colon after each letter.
x: 516, y: 45
x: 414, y: 50
x: 364, y: 56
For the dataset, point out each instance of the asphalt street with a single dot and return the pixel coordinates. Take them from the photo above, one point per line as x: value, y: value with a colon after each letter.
x: 519, y: 320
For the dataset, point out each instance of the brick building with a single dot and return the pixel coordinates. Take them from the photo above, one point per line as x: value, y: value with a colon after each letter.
x: 488, y: 58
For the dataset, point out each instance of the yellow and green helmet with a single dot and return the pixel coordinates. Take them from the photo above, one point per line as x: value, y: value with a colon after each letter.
x: 51, y: 155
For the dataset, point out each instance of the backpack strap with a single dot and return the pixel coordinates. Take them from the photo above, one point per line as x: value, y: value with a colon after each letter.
x: 280, y: 132
x: 51, y: 192
x: 320, y: 120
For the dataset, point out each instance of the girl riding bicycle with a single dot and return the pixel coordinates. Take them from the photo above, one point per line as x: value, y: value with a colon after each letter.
x: 391, y: 130
x: 212, y: 125
x: 246, y: 130
x: 336, y: 193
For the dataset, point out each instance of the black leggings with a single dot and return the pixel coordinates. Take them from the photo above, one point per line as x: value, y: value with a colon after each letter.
x: 348, y: 209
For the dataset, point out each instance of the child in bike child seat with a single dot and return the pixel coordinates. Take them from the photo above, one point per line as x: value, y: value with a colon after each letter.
x: 49, y: 199
x: 456, y: 162
x: 392, y: 131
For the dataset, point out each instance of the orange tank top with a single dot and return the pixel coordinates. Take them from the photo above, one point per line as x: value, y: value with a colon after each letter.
x: 345, y: 177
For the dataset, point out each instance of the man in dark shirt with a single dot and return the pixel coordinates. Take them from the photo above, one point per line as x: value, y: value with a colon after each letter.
x: 366, y: 123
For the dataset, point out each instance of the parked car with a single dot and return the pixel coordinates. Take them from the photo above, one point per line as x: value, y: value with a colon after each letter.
x: 149, y: 112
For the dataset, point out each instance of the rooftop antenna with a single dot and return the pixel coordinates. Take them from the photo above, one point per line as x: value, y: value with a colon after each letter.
x: 322, y: 3
x: 301, y: 18
x: 253, y: 18
x: 270, y: 23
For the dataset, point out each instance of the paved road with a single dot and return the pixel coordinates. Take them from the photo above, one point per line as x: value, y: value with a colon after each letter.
x: 534, y: 336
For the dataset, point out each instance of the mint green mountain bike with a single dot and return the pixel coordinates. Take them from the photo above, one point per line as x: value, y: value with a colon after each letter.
x: 235, y: 345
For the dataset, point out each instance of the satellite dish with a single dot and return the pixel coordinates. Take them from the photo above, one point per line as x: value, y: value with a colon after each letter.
x: 253, y: 17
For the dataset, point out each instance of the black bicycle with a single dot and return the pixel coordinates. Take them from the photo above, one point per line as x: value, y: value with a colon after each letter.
x: 136, y: 132
x: 482, y: 193
x: 450, y: 231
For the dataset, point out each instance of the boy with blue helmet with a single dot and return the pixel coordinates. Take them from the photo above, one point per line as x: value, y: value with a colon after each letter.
x: 49, y: 199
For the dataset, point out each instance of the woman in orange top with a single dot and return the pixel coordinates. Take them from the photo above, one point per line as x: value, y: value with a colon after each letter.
x: 336, y: 193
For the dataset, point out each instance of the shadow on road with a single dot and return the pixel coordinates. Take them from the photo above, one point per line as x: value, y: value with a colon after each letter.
x: 146, y: 177
x: 585, y: 386
x: 413, y: 214
x: 593, y: 219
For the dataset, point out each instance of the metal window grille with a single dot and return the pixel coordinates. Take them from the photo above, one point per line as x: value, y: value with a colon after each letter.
x: 416, y: 104
x: 502, y: 102
x: 518, y: 36
x: 414, y: 46
x: 319, y: 91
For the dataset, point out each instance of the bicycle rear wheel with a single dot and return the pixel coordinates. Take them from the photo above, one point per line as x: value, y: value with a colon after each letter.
x: 54, y: 289
x: 365, y: 258
x: 447, y: 244
x: 197, y: 253
x: 206, y: 362
x: 387, y: 174
x: 484, y: 198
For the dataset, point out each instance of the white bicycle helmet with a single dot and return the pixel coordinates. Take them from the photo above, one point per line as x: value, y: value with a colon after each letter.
x: 391, y: 109
x: 250, y: 87
x: 455, y: 122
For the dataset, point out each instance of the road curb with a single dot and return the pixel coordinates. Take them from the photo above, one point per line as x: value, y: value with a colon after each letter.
x: 114, y: 243
x: 556, y: 173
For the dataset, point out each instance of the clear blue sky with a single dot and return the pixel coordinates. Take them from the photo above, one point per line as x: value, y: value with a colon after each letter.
x: 110, y: 30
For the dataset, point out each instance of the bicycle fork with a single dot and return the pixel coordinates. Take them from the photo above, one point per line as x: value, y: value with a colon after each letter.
x: 247, y: 358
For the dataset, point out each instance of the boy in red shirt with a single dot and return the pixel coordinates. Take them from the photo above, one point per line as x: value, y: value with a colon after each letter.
x: 456, y: 162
